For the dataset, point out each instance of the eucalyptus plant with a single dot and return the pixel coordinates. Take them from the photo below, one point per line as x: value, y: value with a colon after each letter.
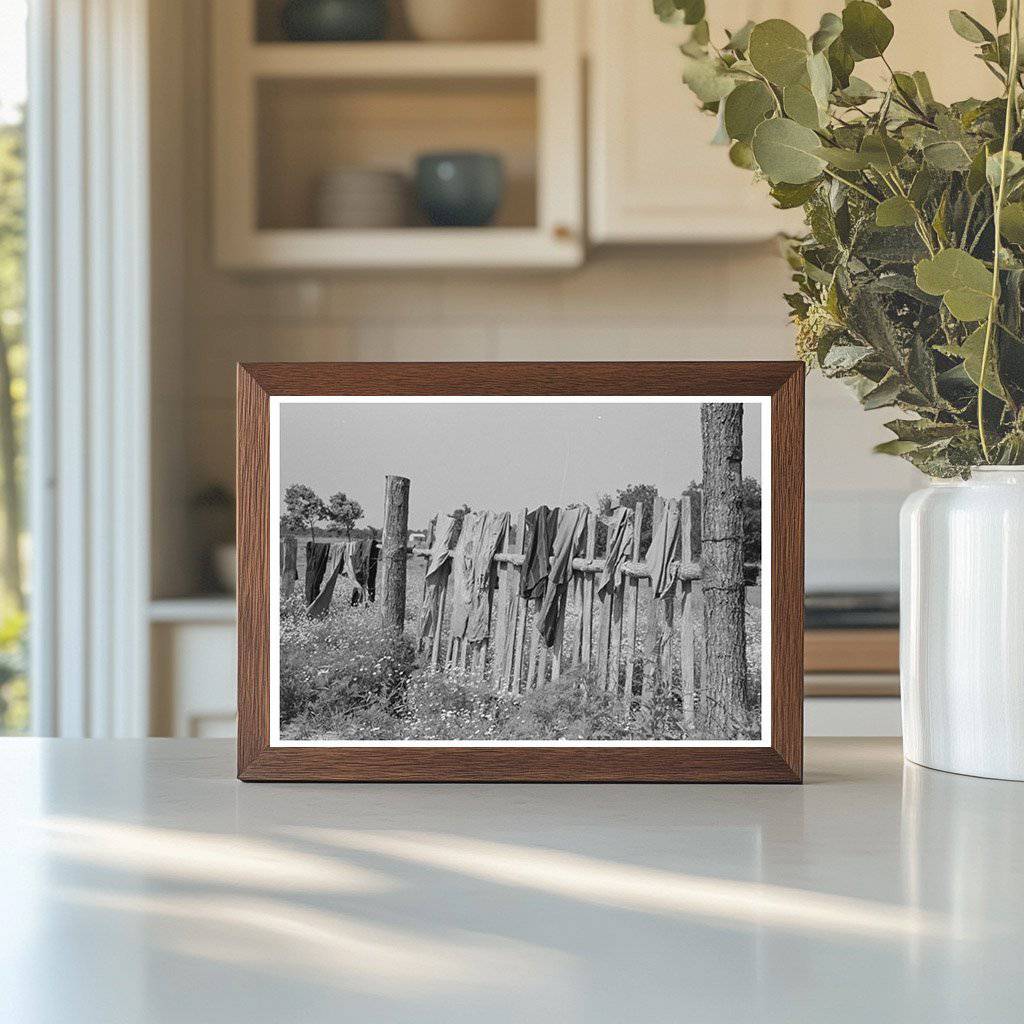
x: 910, y: 278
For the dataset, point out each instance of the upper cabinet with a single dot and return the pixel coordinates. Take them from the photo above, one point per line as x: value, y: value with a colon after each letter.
x: 654, y: 176
x: 316, y: 144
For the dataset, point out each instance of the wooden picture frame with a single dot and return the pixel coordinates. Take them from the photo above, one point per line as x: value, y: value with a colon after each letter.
x: 778, y: 759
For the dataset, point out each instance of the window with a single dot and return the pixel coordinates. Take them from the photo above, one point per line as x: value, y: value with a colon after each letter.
x: 14, y: 691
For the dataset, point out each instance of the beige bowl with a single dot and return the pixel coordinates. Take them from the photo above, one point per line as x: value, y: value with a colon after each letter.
x: 362, y: 198
x: 471, y: 20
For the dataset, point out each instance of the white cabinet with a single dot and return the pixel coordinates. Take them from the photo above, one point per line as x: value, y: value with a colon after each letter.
x: 653, y: 177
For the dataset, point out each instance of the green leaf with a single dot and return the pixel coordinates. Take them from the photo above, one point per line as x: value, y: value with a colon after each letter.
x: 801, y: 106
x: 745, y: 108
x: 976, y: 173
x: 885, y: 394
x: 895, y: 447
x: 779, y: 51
x: 741, y: 155
x: 787, y: 152
x: 963, y: 281
x: 1012, y: 224
x: 924, y: 88
x: 971, y: 351
x: 993, y: 167
x: 895, y: 212
x: 922, y: 185
x: 999, y: 9
x: 883, y: 152
x: 739, y: 41
x: 788, y: 197
x: 819, y: 74
x: 689, y: 12
x: 969, y: 28
x: 840, y: 61
x: 866, y: 29
x: 947, y: 156
x: 829, y: 30
x: 844, y: 159
x: 857, y: 91
x: 707, y: 78
x: 922, y: 431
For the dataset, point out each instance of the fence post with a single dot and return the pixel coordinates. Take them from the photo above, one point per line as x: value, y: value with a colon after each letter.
x: 722, y: 557
x: 393, y: 551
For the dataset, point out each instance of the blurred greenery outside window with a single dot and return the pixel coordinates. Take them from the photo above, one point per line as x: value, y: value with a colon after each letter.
x: 14, y: 538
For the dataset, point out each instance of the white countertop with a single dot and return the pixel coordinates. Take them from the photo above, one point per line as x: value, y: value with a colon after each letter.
x: 140, y: 882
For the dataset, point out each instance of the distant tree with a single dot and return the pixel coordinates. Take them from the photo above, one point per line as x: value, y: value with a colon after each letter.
x: 750, y: 491
x: 343, y: 511
x: 303, y: 509
x: 645, y: 494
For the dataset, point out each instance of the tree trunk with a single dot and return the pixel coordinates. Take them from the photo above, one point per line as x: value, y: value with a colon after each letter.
x: 393, y: 552
x: 721, y: 427
x: 11, y: 493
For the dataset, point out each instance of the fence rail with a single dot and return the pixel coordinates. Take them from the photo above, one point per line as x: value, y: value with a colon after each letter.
x: 630, y: 642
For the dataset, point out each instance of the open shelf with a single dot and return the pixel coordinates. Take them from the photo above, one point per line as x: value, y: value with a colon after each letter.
x: 393, y: 60
x: 286, y: 114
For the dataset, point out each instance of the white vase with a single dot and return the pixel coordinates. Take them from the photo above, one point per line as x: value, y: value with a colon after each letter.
x: 962, y: 624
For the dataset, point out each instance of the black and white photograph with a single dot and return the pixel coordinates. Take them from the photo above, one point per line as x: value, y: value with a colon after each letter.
x: 519, y: 570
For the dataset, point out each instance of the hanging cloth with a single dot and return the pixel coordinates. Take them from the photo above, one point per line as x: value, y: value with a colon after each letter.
x: 663, y: 554
x: 289, y: 565
x: 438, y: 570
x: 319, y: 608
x: 463, y: 561
x: 572, y: 526
x: 316, y: 567
x: 618, y: 548
x: 540, y: 532
x: 371, y: 570
x: 492, y: 533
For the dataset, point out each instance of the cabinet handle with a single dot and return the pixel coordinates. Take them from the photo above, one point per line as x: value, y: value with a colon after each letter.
x: 562, y: 232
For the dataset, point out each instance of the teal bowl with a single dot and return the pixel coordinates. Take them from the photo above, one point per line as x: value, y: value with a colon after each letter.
x: 334, y: 21
x: 460, y: 190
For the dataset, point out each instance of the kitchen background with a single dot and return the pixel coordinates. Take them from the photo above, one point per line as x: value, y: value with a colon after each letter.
x: 628, y: 237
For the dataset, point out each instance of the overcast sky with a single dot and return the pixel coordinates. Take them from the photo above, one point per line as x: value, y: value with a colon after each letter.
x: 498, y: 455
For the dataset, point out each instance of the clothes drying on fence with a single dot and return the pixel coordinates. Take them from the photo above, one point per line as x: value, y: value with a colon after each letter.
x: 316, y: 567
x: 370, y: 572
x: 541, y: 524
x: 492, y: 533
x: 439, y: 567
x: 572, y: 528
x: 460, y: 587
x: 289, y: 565
x: 663, y: 554
x: 618, y: 548
x: 321, y: 604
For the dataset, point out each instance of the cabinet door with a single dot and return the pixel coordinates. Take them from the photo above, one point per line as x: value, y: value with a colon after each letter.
x: 654, y: 176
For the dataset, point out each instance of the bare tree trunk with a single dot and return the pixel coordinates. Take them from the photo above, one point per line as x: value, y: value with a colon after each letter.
x: 11, y: 492
x: 393, y: 552
x: 721, y: 427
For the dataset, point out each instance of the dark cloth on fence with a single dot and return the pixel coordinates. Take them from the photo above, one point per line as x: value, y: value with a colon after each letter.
x: 663, y: 553
x: 316, y: 566
x: 460, y: 588
x: 319, y: 608
x: 572, y: 527
x: 541, y: 524
x: 289, y: 565
x: 618, y: 548
x: 438, y: 569
x: 369, y: 579
x: 492, y: 533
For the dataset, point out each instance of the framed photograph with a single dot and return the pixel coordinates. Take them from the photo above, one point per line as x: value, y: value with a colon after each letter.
x: 513, y: 572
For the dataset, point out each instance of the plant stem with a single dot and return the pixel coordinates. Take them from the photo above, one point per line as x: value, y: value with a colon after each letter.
x: 1011, y: 109
x: 853, y: 185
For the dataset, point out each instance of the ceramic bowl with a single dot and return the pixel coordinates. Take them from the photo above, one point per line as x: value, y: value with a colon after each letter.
x: 459, y: 189
x: 470, y: 20
x: 333, y: 21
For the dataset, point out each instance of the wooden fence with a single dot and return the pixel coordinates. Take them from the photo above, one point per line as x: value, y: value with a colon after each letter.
x: 629, y: 642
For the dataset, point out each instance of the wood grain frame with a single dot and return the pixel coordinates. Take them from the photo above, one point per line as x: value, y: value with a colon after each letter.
x: 782, y: 761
